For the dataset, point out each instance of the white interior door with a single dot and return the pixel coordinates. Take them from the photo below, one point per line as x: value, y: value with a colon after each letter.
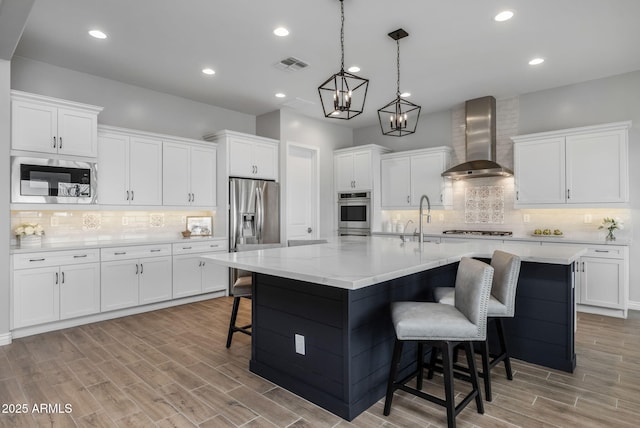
x: 302, y: 192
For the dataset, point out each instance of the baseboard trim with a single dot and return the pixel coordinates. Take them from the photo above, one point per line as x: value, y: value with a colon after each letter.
x: 634, y: 306
x: 5, y: 339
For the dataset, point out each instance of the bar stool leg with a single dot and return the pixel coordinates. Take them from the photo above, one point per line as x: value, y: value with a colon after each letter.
x: 433, y: 361
x: 232, y: 322
x: 393, y: 371
x: 503, y: 346
x: 447, y: 366
x: 471, y: 361
x: 486, y: 368
x: 420, y: 362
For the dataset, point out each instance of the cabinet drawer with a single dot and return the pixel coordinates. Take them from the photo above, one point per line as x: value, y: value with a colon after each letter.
x: 135, y: 252
x: 605, y: 252
x: 55, y: 258
x: 200, y: 247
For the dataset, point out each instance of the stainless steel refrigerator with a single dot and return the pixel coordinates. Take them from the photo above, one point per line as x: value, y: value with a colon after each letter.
x: 254, y: 212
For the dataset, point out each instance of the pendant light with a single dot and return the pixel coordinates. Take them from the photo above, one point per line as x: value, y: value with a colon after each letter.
x: 399, y: 117
x: 343, y: 94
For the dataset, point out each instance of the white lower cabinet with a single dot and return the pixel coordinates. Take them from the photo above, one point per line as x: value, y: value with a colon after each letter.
x: 194, y: 275
x: 602, y: 280
x: 55, y: 285
x: 135, y: 275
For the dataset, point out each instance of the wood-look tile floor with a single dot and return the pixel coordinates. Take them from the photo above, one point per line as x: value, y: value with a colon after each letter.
x: 170, y: 368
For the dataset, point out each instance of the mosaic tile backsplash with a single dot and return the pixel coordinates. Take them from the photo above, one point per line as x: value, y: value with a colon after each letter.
x: 80, y: 226
x: 484, y: 205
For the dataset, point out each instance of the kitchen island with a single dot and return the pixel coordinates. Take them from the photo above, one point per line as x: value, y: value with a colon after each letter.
x: 321, y: 321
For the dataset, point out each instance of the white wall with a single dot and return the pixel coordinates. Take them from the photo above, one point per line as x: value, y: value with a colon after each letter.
x: 434, y: 129
x: 319, y: 133
x: 5, y: 116
x: 126, y: 105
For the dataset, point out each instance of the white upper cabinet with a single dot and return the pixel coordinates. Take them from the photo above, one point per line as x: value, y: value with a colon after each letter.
x: 582, y: 167
x: 189, y: 174
x: 129, y: 168
x: 406, y: 176
x: 357, y: 168
x: 245, y: 155
x: 253, y: 159
x: 49, y: 125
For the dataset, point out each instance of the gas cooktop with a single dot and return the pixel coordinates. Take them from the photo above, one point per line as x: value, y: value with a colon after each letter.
x: 478, y: 232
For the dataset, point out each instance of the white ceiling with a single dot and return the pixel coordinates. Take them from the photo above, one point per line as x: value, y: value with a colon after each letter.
x: 455, y: 50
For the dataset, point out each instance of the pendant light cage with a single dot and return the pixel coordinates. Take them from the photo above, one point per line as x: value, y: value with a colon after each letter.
x: 343, y: 95
x: 399, y: 117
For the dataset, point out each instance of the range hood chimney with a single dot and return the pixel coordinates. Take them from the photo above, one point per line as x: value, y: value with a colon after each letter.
x: 480, y: 142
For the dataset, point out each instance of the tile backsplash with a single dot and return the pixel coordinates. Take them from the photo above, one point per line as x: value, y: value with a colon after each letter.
x: 79, y: 226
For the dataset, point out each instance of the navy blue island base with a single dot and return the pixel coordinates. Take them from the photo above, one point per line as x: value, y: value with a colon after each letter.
x: 348, y: 335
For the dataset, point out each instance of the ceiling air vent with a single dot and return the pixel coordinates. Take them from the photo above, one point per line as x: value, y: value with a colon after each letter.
x: 291, y: 64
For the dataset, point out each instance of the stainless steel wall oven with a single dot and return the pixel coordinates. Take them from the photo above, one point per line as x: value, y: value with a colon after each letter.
x: 354, y: 213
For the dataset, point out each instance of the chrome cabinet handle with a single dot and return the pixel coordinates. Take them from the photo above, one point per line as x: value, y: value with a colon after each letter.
x: 132, y: 195
x: 137, y: 268
x: 141, y: 268
x: 441, y: 198
x: 54, y: 142
x: 602, y: 251
x: 37, y: 260
x: 56, y: 277
x: 214, y: 245
x: 408, y: 199
x: 62, y: 278
x: 155, y: 250
x: 186, y: 248
x: 122, y: 253
x: 568, y: 193
x: 80, y: 257
x: 517, y: 195
x: 60, y: 145
x: 127, y: 195
x: 582, y: 266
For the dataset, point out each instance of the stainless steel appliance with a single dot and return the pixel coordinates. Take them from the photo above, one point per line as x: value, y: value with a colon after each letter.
x: 254, y: 212
x: 354, y: 213
x: 52, y: 181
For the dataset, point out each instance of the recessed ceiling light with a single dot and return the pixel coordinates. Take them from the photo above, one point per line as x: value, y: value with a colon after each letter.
x: 280, y: 95
x: 97, y: 34
x: 208, y: 71
x: 405, y: 94
x: 505, y: 15
x: 536, y: 61
x: 354, y: 69
x: 281, y: 32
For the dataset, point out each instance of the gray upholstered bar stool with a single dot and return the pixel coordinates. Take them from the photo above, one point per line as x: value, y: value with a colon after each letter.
x: 502, y: 304
x: 443, y: 327
x: 242, y: 289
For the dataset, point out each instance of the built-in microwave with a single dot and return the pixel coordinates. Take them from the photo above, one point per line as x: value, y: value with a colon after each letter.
x: 52, y: 181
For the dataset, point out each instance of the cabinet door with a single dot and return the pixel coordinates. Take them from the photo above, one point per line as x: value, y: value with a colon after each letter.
x: 203, y: 176
x: 596, y: 168
x: 77, y: 133
x: 155, y: 279
x: 145, y: 171
x: 119, y: 284
x: 362, y: 170
x: 395, y: 186
x: 265, y: 159
x: 215, y: 277
x: 113, y: 169
x: 36, y: 296
x: 539, y: 172
x: 187, y: 276
x: 426, y: 179
x: 241, y: 158
x: 343, y: 165
x: 79, y: 290
x: 602, y: 282
x: 175, y: 174
x: 33, y: 127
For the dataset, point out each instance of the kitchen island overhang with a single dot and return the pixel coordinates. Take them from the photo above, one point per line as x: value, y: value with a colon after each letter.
x: 336, y: 296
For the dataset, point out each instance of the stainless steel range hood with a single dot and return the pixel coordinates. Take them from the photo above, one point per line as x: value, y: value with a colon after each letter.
x: 480, y: 142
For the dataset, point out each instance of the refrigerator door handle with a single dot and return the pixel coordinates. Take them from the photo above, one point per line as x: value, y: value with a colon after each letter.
x: 259, y: 214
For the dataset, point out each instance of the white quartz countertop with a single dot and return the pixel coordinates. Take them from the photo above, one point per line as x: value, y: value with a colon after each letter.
x: 353, y: 262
